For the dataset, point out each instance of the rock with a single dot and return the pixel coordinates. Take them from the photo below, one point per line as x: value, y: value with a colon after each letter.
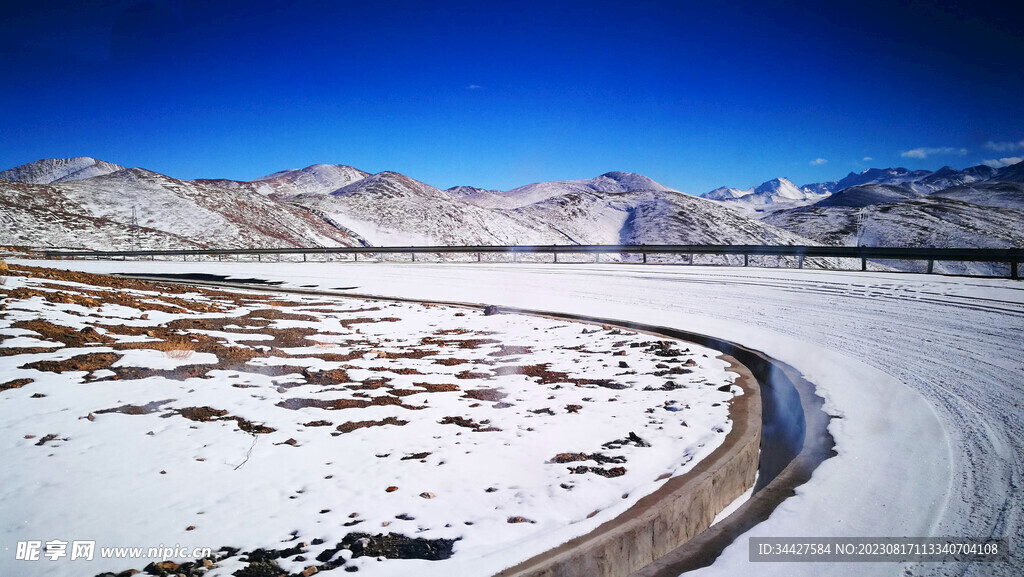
x: 3, y: 267
x: 391, y: 489
x: 168, y: 566
x: 623, y: 365
x: 190, y: 528
x: 490, y: 310
x: 309, y: 571
x: 518, y: 519
x: 427, y: 495
x: 725, y: 388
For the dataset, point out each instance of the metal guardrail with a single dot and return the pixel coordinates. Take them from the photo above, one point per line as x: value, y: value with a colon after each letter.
x: 1012, y: 256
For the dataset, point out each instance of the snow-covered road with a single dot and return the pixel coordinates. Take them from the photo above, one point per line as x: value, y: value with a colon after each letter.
x: 925, y: 373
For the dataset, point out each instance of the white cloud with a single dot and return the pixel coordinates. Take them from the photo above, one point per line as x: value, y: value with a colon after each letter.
x: 1003, y: 161
x: 868, y: 159
x: 474, y: 87
x: 818, y: 161
x: 926, y: 152
x: 1003, y: 146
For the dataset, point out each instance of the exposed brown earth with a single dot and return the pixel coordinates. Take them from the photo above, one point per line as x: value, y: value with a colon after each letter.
x: 353, y: 425
x: 15, y: 384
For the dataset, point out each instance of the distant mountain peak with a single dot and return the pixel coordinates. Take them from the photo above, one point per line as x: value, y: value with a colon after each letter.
x: 314, y: 179
x: 53, y: 170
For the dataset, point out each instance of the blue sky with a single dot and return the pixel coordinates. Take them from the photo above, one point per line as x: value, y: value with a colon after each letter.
x: 694, y: 95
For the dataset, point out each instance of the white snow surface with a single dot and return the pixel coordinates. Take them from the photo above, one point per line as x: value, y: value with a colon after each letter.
x: 128, y: 479
x: 924, y: 374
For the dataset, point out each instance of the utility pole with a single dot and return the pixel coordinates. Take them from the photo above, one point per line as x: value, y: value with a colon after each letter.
x: 134, y: 230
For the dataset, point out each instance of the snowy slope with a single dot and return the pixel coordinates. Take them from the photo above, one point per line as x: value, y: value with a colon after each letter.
x: 315, y: 179
x: 392, y: 209
x: 607, y: 182
x: 389, y: 208
x: 482, y: 197
x: 767, y: 197
x: 927, y: 221
x: 44, y: 216
x: 52, y: 170
x: 921, y: 181
x: 896, y: 176
x: 948, y: 176
x: 867, y: 194
x: 1012, y: 173
x: 650, y: 218
x: 206, y: 215
x: 995, y: 194
x: 726, y: 193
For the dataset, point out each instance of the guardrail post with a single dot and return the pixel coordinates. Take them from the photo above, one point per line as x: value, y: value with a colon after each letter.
x: 259, y: 257
x: 597, y: 257
x: 745, y: 259
x: 413, y: 256
x: 1013, y: 269
x: 556, y: 257
x: 303, y: 257
x: 645, y: 258
x: 478, y: 256
x: 355, y: 256
x: 863, y: 263
x: 931, y: 265
x: 800, y: 262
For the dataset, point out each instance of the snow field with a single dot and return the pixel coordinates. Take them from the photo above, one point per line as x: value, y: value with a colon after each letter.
x: 189, y: 451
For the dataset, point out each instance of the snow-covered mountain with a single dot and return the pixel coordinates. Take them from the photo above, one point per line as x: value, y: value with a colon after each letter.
x: 389, y: 208
x: 768, y: 196
x: 305, y: 208
x: 53, y: 170
x: 726, y: 193
x: 175, y: 213
x: 314, y: 179
x: 928, y: 220
x: 867, y: 194
x: 895, y: 176
x: 994, y: 194
x: 610, y: 182
x: 1012, y: 173
x: 921, y: 181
